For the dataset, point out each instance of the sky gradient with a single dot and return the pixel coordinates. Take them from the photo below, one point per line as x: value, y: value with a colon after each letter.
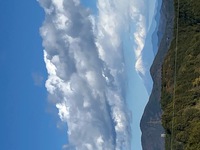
x: 74, y: 75
x: 26, y: 117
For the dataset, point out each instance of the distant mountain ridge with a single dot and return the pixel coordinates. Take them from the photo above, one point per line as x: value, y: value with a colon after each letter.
x: 175, y: 93
x: 151, y: 121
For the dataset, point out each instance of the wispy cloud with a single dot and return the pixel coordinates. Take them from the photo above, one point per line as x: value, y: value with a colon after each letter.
x: 142, y: 23
x: 139, y: 35
x: 38, y: 79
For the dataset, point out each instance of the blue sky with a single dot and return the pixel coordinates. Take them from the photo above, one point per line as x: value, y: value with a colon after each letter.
x: 90, y: 4
x: 26, y: 123
x: 28, y: 120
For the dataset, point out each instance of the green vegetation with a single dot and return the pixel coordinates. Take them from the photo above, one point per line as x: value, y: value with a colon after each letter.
x: 186, y: 128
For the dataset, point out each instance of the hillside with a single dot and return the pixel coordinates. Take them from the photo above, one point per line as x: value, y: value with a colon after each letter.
x: 151, y: 120
x: 184, y: 99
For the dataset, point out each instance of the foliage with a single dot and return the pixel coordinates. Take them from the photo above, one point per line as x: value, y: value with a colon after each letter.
x: 186, y: 128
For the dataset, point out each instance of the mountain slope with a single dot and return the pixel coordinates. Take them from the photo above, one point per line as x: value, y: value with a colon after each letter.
x: 151, y: 120
x: 184, y: 101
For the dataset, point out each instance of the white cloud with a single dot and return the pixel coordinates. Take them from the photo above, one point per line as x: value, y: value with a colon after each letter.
x: 63, y: 111
x: 115, y: 18
x: 87, y: 86
x: 86, y: 73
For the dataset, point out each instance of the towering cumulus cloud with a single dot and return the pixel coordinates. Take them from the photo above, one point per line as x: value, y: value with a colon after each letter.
x: 85, y: 57
x: 85, y: 74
